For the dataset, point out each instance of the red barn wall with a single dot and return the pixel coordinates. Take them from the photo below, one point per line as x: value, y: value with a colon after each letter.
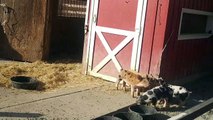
x: 154, y: 34
x: 180, y: 58
x: 183, y: 58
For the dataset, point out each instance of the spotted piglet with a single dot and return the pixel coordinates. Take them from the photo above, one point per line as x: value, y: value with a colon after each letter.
x: 169, y: 94
x: 156, y: 94
x: 180, y: 95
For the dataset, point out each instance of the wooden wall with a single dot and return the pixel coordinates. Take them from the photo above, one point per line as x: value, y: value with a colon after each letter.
x: 29, y: 39
x: 183, y: 58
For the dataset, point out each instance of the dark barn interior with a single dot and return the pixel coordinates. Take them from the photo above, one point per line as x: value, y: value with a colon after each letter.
x: 67, y: 35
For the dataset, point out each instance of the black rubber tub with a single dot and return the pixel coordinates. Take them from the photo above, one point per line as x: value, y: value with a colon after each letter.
x: 24, y: 82
x: 128, y: 116
x: 148, y: 113
x: 107, y: 118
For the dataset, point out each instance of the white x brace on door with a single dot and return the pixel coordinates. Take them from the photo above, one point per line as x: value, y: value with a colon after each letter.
x: 111, y: 53
x: 95, y: 31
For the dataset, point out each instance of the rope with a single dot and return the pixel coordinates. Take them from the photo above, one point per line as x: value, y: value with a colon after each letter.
x: 167, y: 42
x: 158, y: 64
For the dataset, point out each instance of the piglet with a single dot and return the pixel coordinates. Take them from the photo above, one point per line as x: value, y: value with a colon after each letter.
x: 138, y: 82
x: 180, y: 95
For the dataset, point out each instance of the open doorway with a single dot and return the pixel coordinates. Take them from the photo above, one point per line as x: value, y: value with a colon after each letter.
x: 67, y: 36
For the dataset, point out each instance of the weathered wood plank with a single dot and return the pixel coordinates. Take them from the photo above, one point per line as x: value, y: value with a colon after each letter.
x: 24, y: 36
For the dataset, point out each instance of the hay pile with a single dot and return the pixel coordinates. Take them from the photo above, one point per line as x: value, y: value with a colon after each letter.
x: 50, y: 75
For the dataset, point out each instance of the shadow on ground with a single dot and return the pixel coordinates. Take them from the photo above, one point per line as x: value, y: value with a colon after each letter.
x: 20, y: 115
x: 202, y: 90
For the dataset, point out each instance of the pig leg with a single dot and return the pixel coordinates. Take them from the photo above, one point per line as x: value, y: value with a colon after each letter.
x: 165, y: 104
x: 138, y: 91
x: 118, y: 82
x: 132, y: 90
x: 181, y: 105
x: 124, y: 85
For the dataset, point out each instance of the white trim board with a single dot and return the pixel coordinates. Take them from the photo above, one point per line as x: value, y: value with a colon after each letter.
x: 105, y: 77
x: 197, y: 12
x: 92, y: 37
x: 141, y: 15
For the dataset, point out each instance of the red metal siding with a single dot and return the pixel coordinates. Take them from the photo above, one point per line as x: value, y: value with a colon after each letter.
x: 153, y: 35
x: 159, y: 36
x: 182, y: 58
x: 148, y: 35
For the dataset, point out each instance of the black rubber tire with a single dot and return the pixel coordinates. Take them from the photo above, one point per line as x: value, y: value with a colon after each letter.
x: 24, y: 82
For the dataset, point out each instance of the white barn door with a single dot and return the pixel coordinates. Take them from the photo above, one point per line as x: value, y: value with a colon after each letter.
x: 115, y: 36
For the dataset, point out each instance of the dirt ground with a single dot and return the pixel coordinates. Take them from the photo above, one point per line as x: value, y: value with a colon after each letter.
x: 75, y: 103
x: 75, y: 96
x: 63, y: 92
